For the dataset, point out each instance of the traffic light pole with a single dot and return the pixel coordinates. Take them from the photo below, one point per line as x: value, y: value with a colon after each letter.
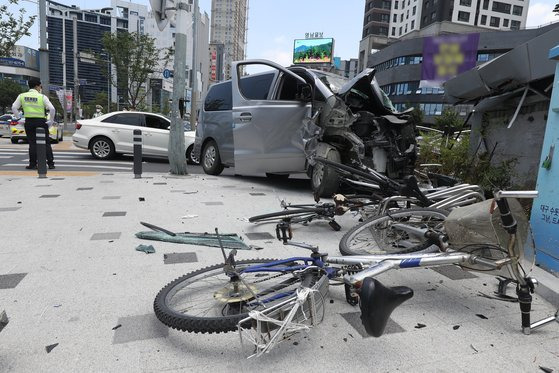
x: 177, y: 151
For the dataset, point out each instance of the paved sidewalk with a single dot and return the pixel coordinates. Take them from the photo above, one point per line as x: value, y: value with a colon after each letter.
x: 79, y: 296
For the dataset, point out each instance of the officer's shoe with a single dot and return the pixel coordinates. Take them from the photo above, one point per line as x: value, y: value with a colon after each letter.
x: 51, y: 166
x: 31, y: 167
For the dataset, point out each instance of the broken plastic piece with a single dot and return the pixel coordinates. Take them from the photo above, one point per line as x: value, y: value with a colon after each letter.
x: 229, y: 240
x: 118, y: 326
x: 142, y: 199
x: 49, y: 348
x: 189, y: 216
x: 148, y: 249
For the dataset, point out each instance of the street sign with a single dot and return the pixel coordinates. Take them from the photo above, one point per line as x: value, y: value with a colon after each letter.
x: 158, y: 8
x: 167, y: 74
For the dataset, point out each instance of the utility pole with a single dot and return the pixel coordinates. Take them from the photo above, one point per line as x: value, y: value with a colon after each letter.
x: 194, y: 94
x: 76, y: 79
x: 177, y: 151
x: 43, y: 51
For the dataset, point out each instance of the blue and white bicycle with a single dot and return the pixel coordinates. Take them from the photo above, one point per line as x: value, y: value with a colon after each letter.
x: 267, y: 300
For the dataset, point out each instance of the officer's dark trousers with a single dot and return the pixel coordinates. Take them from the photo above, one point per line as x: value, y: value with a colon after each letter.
x: 31, y: 125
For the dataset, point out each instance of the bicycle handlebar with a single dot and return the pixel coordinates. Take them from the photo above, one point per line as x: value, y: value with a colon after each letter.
x: 515, y: 194
x: 509, y: 223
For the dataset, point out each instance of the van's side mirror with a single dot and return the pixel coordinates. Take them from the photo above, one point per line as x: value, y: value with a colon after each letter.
x: 304, y: 93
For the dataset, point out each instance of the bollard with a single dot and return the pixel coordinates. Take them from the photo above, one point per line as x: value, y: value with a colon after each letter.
x: 41, y: 142
x: 137, y: 154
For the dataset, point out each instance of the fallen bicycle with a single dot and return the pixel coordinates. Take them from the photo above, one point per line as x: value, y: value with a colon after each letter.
x: 267, y: 300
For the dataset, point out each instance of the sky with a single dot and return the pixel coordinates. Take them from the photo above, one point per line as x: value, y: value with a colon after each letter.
x: 273, y: 25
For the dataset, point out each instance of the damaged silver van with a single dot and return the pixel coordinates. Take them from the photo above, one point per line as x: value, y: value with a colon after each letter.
x: 274, y: 123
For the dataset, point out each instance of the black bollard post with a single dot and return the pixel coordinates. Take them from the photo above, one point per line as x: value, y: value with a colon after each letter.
x: 137, y: 154
x: 41, y: 153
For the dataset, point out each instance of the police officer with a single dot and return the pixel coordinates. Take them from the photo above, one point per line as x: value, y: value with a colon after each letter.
x: 34, y: 104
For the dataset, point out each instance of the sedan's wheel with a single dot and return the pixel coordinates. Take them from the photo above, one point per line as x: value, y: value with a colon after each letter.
x: 102, y: 148
x: 211, y: 161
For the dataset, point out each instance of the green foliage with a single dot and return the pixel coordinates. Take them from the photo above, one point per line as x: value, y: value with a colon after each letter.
x: 449, y: 121
x: 134, y: 57
x: 12, y: 28
x: 556, y: 10
x: 457, y: 161
x: 100, y: 99
x: 9, y: 90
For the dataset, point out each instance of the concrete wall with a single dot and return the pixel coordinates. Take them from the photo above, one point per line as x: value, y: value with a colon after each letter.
x: 522, y: 141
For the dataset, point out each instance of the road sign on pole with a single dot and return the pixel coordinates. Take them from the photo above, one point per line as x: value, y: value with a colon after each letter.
x: 167, y: 74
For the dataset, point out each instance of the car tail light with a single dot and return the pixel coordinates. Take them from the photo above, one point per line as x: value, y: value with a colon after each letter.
x: 78, y: 125
x: 13, y: 123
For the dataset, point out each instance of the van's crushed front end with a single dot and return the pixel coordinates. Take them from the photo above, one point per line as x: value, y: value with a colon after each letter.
x: 359, y: 121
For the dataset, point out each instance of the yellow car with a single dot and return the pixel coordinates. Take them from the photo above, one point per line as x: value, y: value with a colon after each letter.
x: 17, y: 131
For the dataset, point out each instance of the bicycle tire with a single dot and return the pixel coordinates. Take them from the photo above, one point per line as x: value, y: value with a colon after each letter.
x: 286, y: 214
x: 378, y: 239
x: 218, y: 323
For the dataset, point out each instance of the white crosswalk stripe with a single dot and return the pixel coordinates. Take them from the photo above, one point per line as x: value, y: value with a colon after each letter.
x: 93, y: 161
x: 59, y: 165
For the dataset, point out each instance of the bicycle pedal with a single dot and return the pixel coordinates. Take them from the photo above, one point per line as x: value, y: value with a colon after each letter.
x: 335, y: 226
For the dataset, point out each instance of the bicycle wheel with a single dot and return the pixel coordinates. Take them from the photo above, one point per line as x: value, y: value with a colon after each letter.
x: 209, y: 301
x: 300, y: 214
x: 387, y: 234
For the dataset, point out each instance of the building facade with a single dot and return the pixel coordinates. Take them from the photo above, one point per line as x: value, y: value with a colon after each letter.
x: 22, y: 65
x: 229, y: 27
x: 399, y: 67
x: 346, y: 68
x: 217, y: 63
x: 122, y: 16
x: 386, y: 20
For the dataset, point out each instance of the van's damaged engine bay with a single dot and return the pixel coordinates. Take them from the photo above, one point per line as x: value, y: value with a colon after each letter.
x: 359, y: 121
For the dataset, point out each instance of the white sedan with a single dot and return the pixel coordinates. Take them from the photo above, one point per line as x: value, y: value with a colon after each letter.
x: 112, y: 134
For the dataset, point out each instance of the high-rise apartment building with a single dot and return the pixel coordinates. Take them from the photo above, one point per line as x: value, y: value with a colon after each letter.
x: 386, y: 20
x: 229, y: 27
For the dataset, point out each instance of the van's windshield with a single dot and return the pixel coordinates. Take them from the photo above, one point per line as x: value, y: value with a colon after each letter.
x: 333, y: 82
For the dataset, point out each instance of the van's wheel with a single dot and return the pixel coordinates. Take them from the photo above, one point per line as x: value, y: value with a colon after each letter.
x: 210, y: 159
x: 189, y: 158
x: 324, y: 180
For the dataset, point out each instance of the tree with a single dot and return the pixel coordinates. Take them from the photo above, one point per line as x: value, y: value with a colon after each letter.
x: 9, y: 90
x: 134, y: 57
x: 12, y: 28
x: 556, y: 10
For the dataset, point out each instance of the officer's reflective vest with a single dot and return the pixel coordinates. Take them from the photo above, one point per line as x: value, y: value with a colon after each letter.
x: 33, y: 104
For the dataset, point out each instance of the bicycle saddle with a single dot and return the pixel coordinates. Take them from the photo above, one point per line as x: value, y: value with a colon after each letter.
x: 377, y: 303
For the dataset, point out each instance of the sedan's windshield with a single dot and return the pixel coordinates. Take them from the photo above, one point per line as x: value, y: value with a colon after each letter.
x: 333, y: 82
